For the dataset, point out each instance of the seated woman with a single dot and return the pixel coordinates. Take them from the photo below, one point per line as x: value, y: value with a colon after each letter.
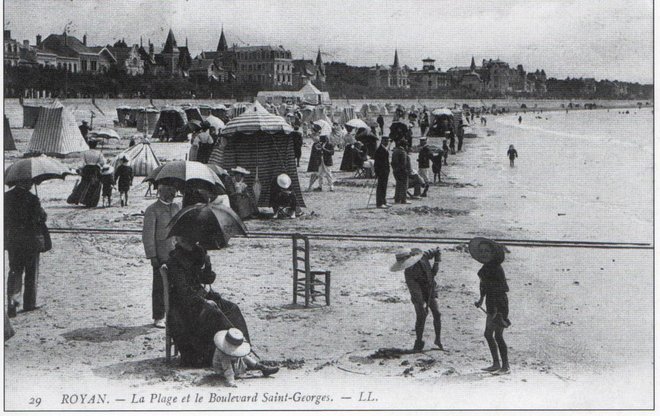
x: 243, y: 200
x: 196, y: 313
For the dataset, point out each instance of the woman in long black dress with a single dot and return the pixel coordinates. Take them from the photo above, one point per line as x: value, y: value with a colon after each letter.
x: 197, y: 313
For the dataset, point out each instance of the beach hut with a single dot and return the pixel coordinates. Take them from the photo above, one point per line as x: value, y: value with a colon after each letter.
x: 8, y: 137
x: 133, y: 115
x: 123, y: 115
x: 205, y: 110
x: 193, y: 113
x: 219, y: 111
x: 141, y: 158
x: 171, y: 125
x: 259, y: 142
x: 30, y: 116
x: 146, y: 119
x: 56, y: 132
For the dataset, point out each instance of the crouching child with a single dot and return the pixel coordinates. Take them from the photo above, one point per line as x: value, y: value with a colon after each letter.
x: 233, y: 356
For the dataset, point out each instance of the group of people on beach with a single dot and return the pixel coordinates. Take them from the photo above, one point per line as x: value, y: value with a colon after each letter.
x: 210, y: 330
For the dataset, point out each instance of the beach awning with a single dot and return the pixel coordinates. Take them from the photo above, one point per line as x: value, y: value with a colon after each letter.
x: 442, y: 112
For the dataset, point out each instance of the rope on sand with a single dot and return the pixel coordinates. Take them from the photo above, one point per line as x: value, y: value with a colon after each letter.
x: 390, y: 239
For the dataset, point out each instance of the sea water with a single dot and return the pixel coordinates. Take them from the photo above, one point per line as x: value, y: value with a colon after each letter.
x: 583, y: 174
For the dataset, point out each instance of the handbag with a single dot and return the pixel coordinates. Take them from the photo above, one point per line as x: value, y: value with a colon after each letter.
x: 43, y: 241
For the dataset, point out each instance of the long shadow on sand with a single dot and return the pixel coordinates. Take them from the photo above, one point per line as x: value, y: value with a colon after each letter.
x: 108, y: 333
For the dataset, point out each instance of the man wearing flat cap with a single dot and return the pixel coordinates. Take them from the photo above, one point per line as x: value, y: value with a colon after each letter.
x: 420, y: 279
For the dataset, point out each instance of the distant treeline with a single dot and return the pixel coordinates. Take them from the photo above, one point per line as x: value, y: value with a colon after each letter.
x: 342, y: 81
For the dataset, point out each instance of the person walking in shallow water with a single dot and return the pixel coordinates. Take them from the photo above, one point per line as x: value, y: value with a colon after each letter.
x: 513, y: 154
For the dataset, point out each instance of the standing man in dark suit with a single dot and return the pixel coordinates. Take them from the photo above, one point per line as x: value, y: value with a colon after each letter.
x: 297, y: 144
x: 382, y: 170
x: 400, y: 171
x: 23, y: 220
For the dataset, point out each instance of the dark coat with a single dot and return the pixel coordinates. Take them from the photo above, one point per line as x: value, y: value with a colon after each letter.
x: 494, y: 287
x: 382, y: 162
x: 370, y: 142
x: 322, y: 150
x: 424, y: 158
x: 348, y: 159
x: 399, y: 159
x: 124, y: 178
x: 23, y: 219
x: 192, y: 320
x: 297, y: 143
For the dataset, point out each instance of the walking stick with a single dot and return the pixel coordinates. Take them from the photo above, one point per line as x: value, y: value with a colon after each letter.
x: 372, y: 191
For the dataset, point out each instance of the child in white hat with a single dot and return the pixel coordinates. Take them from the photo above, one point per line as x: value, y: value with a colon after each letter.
x: 233, y: 356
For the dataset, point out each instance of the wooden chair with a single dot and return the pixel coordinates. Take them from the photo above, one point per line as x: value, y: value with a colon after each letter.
x: 169, y: 341
x: 305, y: 280
x: 362, y: 173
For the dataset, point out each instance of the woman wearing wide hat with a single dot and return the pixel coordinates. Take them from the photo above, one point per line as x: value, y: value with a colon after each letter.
x: 493, y: 288
x: 420, y: 279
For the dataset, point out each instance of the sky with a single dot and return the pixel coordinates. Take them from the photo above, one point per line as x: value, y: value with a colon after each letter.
x: 604, y: 39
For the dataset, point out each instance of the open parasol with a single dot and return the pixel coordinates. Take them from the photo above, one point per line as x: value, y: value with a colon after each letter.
x: 326, y: 128
x: 36, y: 169
x: 181, y: 171
x: 356, y: 123
x: 209, y: 224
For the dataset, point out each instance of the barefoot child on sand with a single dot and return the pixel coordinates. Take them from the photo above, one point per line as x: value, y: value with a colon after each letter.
x: 420, y: 279
x: 493, y: 288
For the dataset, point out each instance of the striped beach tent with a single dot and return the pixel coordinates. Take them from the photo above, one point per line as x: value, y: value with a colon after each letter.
x: 30, y: 115
x: 8, y: 138
x: 56, y: 132
x: 259, y: 142
x: 141, y: 158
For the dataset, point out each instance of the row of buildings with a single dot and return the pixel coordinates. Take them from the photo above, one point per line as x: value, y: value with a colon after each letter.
x: 273, y: 67
x: 267, y: 66
x: 491, y: 76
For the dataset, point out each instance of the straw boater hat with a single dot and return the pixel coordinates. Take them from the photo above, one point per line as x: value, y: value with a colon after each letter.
x: 240, y: 170
x: 407, y: 258
x: 284, y: 181
x: 232, y: 343
x: 107, y: 170
x: 484, y: 250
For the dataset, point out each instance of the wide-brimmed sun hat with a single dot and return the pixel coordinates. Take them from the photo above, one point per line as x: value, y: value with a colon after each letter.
x: 484, y: 250
x: 284, y: 181
x: 240, y: 170
x: 232, y: 342
x: 405, y: 259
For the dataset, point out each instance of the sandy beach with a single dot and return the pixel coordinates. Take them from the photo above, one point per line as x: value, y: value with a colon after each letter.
x: 582, y: 333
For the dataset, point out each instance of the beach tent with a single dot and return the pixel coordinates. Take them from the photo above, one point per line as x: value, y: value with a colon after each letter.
x: 8, y: 138
x: 205, y: 110
x: 56, y: 132
x: 259, y: 142
x: 193, y: 113
x: 237, y: 109
x: 219, y: 110
x: 133, y: 115
x: 147, y: 119
x: 30, y: 116
x: 123, y: 115
x: 141, y: 158
x: 172, y: 124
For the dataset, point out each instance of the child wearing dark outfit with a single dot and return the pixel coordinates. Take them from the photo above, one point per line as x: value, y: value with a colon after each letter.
x: 124, y: 177
x: 493, y: 288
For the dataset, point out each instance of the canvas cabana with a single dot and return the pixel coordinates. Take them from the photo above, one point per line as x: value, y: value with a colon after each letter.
x: 259, y: 142
x: 56, y: 132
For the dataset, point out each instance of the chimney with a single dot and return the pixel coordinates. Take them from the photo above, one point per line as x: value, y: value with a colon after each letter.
x: 7, y: 34
x: 85, y: 39
x: 151, y: 49
x: 38, y: 40
x: 65, y: 41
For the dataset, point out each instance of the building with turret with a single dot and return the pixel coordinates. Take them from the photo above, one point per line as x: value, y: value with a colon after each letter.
x: 394, y: 77
x: 429, y: 78
x: 305, y: 70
